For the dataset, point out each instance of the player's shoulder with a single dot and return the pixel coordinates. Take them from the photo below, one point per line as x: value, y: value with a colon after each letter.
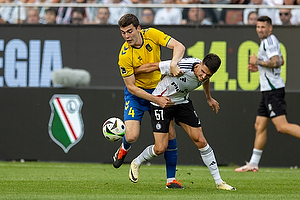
x: 151, y: 31
x: 271, y: 40
x: 124, y: 49
x: 189, y: 60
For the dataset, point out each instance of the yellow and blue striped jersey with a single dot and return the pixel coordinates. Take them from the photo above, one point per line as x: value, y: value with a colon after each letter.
x: 150, y: 51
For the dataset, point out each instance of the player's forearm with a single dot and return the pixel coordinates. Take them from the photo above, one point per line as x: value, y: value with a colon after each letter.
x: 273, y: 62
x: 206, y: 88
x: 141, y: 93
x: 178, y: 53
x: 146, y: 68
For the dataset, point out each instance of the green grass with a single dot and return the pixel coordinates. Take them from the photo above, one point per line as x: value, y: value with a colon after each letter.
x: 47, y: 180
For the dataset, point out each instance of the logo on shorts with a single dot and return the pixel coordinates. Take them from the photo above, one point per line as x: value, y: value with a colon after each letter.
x: 158, y: 126
x: 270, y: 106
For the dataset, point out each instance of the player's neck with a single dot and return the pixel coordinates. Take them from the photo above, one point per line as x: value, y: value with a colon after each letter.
x: 139, y: 43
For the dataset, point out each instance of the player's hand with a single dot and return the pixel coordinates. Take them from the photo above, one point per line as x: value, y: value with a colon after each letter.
x: 164, y: 102
x: 175, y: 70
x: 252, y: 68
x: 252, y: 59
x: 213, y: 104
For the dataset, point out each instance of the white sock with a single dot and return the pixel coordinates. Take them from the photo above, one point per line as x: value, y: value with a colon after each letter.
x: 209, y: 160
x: 255, y: 158
x: 169, y: 180
x: 146, y: 155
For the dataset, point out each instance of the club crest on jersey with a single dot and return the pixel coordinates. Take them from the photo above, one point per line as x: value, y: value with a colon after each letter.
x: 149, y: 48
x: 66, y: 125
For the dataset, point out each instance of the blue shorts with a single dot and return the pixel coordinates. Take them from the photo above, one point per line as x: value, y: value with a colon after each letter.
x: 135, y: 107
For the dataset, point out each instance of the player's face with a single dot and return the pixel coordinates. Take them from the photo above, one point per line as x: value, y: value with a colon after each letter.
x: 132, y: 35
x: 263, y: 30
x: 202, y: 72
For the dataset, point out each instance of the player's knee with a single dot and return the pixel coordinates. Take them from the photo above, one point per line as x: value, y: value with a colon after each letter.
x: 200, y: 141
x: 281, y: 129
x: 131, y: 138
x: 159, y: 150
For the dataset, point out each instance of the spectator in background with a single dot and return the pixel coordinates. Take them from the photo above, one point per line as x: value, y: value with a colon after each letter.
x: 41, y: 9
x: 196, y: 16
x: 102, y: 16
x: 64, y: 14
x: 138, y: 11
x: 233, y: 16
x: 216, y: 15
x: 270, y: 12
x: 148, y: 15
x: 285, y: 16
x: 33, y: 16
x: 117, y: 13
x: 77, y: 16
x: 168, y: 15
x: 186, y: 10
x: 12, y: 14
x: 252, y: 18
x: 295, y: 19
x: 50, y: 15
x: 92, y: 11
x: 86, y: 10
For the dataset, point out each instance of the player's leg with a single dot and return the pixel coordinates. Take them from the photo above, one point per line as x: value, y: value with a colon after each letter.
x: 171, y: 155
x: 259, y: 144
x: 283, y: 126
x: 133, y: 113
x: 207, y: 154
x: 161, y: 143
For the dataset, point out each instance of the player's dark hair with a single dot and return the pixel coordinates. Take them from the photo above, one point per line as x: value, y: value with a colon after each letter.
x: 265, y: 19
x: 128, y: 19
x: 212, y: 61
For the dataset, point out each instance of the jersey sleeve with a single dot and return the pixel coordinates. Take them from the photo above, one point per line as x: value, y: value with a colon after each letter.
x: 164, y: 67
x: 272, y: 48
x: 125, y: 62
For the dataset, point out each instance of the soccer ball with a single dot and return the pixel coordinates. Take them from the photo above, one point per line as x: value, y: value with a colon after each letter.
x: 113, y: 129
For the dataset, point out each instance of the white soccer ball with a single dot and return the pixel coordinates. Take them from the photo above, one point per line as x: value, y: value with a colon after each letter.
x: 113, y: 129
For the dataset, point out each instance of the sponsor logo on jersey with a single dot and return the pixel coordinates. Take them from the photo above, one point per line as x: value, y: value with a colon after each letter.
x: 66, y: 125
x: 148, y: 47
x: 123, y: 70
x: 183, y: 79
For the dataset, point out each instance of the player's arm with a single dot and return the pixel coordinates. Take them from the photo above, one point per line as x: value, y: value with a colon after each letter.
x: 133, y: 89
x: 146, y: 68
x: 211, y: 101
x: 273, y: 62
x: 178, y: 52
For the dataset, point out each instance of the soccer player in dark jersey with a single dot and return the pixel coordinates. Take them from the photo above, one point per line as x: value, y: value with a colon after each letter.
x: 196, y: 73
x: 143, y: 46
x: 272, y: 106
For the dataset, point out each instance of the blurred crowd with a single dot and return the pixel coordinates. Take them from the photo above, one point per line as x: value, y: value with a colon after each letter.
x: 147, y: 15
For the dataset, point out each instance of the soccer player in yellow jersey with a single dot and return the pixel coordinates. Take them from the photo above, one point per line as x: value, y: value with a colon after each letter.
x: 143, y: 46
